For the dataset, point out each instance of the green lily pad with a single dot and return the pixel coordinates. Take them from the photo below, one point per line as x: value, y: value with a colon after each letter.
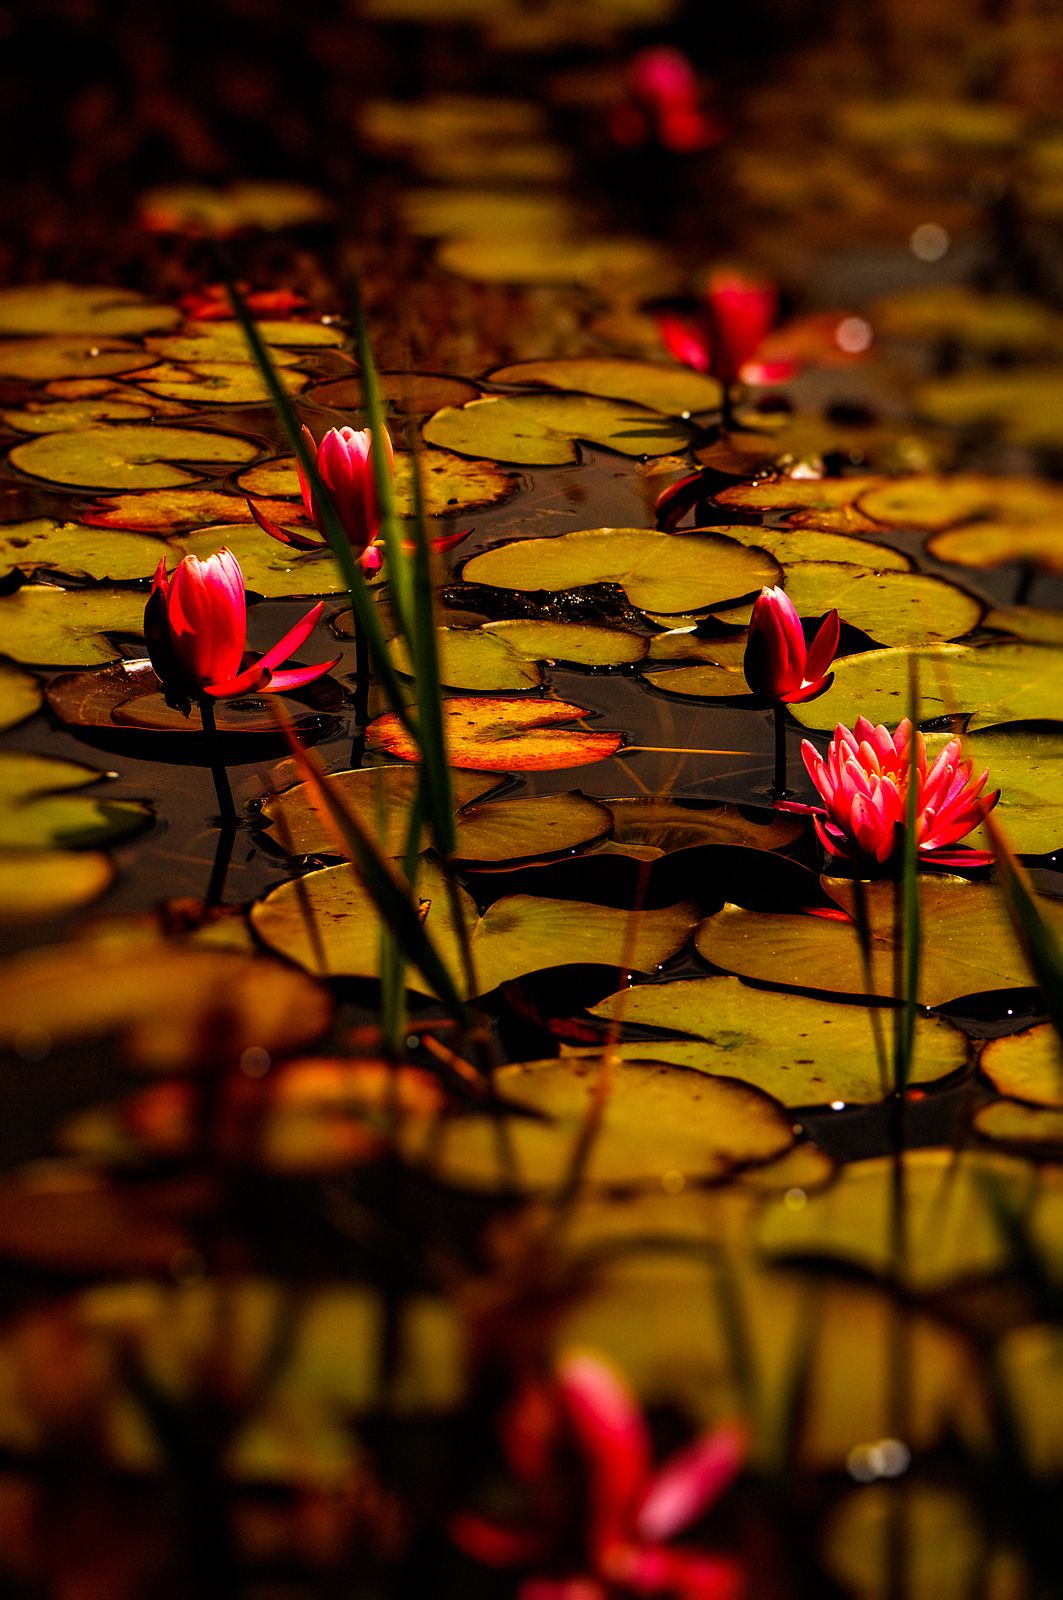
x: 450, y: 485
x: 530, y: 827
x: 40, y: 885
x: 968, y: 944
x: 541, y: 430
x: 576, y: 259
x: 804, y: 1052
x: 671, y: 389
x: 584, y: 643
x: 953, y: 1227
x: 380, y: 797
x: 1031, y: 1364
x: 658, y: 826
x: 81, y: 308
x: 994, y: 682
x: 933, y: 502
x: 994, y: 544
x: 493, y: 734
x: 470, y: 658
x: 270, y: 568
x: 659, y: 572
x: 63, y: 416
x: 1026, y: 406
x: 1026, y: 764
x: 231, y: 383
x: 99, y: 989
x: 1026, y: 1066
x: 20, y: 696
x: 829, y: 504
x: 793, y: 547
x: 894, y: 608
x: 38, y: 811
x: 1033, y: 623
x: 1028, y: 1128
x: 969, y: 316
x: 656, y: 1120
x: 70, y: 356
x: 76, y: 551
x: 503, y: 655
x: 326, y: 923
x: 225, y: 341
x: 128, y: 457
x: 51, y: 627
x: 709, y: 681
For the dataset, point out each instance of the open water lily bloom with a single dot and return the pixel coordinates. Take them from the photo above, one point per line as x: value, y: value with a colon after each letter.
x: 195, y: 625
x: 863, y: 783
x: 778, y: 664
x: 632, y: 1511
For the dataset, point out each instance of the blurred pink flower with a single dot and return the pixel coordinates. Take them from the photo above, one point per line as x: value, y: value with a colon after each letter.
x: 663, y: 105
x: 863, y: 783
x: 736, y: 316
x: 195, y: 625
x: 778, y: 665
x: 632, y: 1510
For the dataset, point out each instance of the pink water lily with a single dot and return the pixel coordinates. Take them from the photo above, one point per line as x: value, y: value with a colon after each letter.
x: 633, y: 1511
x: 778, y: 664
x: 663, y: 105
x: 738, y: 312
x: 863, y: 783
x: 344, y: 464
x: 195, y: 625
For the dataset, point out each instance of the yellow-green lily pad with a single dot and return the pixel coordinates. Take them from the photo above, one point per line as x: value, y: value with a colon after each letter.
x: 231, y: 383
x: 62, y: 416
x: 133, y: 456
x: 51, y: 627
x: 39, y: 811
x: 471, y: 658
x: 968, y: 943
x: 447, y: 212
x: 380, y: 797
x: 804, y: 1052
x: 994, y: 544
x: 578, y: 259
x: 225, y: 341
x: 972, y: 317
x: 271, y: 569
x: 826, y: 503
x: 1026, y: 764
x: 81, y: 308
x: 894, y: 608
x: 196, y: 208
x: 792, y: 547
x: 450, y: 484
x: 40, y: 885
x: 1027, y: 1066
x: 933, y: 502
x: 20, y: 695
x: 1035, y: 624
x: 584, y: 643
x: 70, y: 356
x: 76, y: 551
x: 529, y: 827
x: 1025, y: 406
x: 659, y: 572
x: 542, y: 430
x: 1028, y: 1128
x: 326, y: 922
x: 671, y: 389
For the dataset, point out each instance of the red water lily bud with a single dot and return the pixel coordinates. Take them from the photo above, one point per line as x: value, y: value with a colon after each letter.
x: 778, y: 664
x: 345, y: 466
x: 195, y: 626
x: 663, y: 105
x: 741, y: 312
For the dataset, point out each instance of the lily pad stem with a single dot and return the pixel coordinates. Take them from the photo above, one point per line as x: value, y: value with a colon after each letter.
x: 779, y: 791
x: 224, y: 793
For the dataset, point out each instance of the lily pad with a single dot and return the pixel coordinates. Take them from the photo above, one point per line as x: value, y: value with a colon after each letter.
x: 168, y: 510
x: 954, y: 1229
x: 968, y: 944
x: 659, y: 572
x: 76, y: 551
x: 894, y: 608
x: 225, y: 341
x: 471, y: 658
x: 63, y: 416
x: 1025, y: 406
x: 994, y: 544
x: 81, y: 308
x: 196, y: 208
x: 656, y: 1119
x: 793, y: 547
x: 39, y: 885
x: 1026, y: 1066
x: 709, y: 681
x: 1031, y: 1129
x: 971, y: 317
x: 54, y: 627
x: 99, y: 988
x: 541, y: 430
x: 38, y: 811
x: 994, y: 683
x: 492, y: 734
x: 1035, y: 624
x: 70, y: 356
x: 658, y: 826
x: 530, y: 827
x: 932, y: 502
x: 231, y: 383
x: 673, y: 390
x: 326, y: 923
x: 20, y: 696
x: 1026, y: 764
x: 450, y: 485
x: 380, y: 797
x: 270, y: 568
x: 412, y: 393
x: 129, y: 457
x: 575, y: 259
x: 829, y: 504
x: 804, y: 1052
x: 446, y: 212
x: 584, y: 643
x: 1030, y: 1365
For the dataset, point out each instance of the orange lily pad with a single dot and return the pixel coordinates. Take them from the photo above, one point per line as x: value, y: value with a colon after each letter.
x: 489, y: 733
x: 165, y: 510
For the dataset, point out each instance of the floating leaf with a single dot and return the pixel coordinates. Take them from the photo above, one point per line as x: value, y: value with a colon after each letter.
x: 930, y: 121
x: 380, y: 797
x: 270, y: 568
x: 195, y: 208
x: 450, y: 484
x: 171, y: 1005
x: 167, y: 510
x: 325, y: 922
x: 581, y: 642
x: 792, y: 547
x: 1026, y: 406
x: 1027, y: 1066
x: 804, y: 1052
x: 970, y: 317
x: 39, y: 885
x: 1030, y: 1128
x: 541, y: 430
x: 231, y: 383
x: 968, y: 945
x: 825, y: 503
x: 994, y: 682
x: 38, y: 813
x: 658, y: 826
x: 59, y: 416
x: 20, y: 695
x: 671, y: 389
x: 412, y: 393
x: 1032, y: 623
x: 130, y: 457
x: 656, y: 1120
x: 659, y: 572
x: 759, y: 444
x: 491, y: 734
x: 72, y: 356
x: 935, y: 501
x: 994, y: 544
x: 225, y: 341
x: 80, y: 308
x: 499, y: 258
x: 75, y: 550
x: 710, y: 681
x: 67, y: 627
x: 530, y: 827
x: 895, y: 608
x: 471, y: 658
x: 954, y: 1230
x: 441, y: 213
x: 1026, y: 764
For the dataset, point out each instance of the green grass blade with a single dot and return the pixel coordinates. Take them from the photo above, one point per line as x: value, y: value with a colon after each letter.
x: 1044, y: 952
x: 910, y: 944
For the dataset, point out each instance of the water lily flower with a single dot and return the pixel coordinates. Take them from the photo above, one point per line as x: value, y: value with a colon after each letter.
x: 195, y: 625
x: 345, y: 466
x: 778, y: 665
x: 737, y: 314
x: 632, y: 1510
x: 863, y: 783
x: 663, y: 105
